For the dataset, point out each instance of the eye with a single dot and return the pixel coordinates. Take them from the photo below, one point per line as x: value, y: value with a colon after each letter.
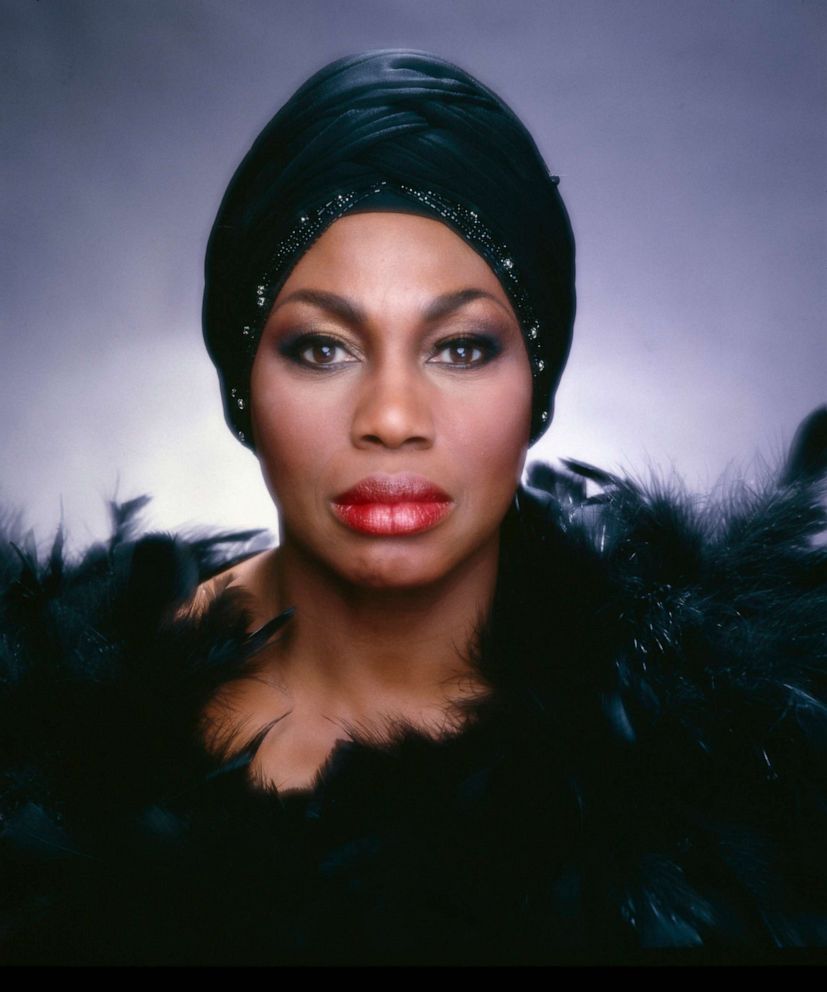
x: 467, y: 352
x: 316, y: 351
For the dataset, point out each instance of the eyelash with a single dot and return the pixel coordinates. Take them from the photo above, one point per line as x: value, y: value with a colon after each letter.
x: 293, y: 348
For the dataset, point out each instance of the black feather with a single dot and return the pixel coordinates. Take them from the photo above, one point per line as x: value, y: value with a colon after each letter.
x: 648, y: 771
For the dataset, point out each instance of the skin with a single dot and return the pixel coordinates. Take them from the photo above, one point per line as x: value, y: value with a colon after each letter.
x: 383, y: 624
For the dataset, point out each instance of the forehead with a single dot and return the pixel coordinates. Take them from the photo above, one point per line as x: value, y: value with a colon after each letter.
x: 393, y: 254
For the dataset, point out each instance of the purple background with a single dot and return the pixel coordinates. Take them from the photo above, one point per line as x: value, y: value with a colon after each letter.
x: 690, y: 136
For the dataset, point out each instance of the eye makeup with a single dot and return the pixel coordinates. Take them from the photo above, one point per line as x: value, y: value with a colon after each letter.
x: 294, y: 346
x: 488, y: 346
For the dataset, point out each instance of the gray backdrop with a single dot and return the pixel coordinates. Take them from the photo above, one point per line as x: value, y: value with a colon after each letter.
x: 690, y: 136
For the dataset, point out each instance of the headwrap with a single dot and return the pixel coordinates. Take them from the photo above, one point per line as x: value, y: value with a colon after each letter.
x: 400, y: 129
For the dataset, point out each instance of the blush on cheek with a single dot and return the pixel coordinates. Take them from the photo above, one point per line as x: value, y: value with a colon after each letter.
x: 278, y: 412
x: 502, y: 423
x: 292, y: 436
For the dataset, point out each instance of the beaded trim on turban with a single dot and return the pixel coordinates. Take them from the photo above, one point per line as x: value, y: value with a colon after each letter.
x: 312, y: 224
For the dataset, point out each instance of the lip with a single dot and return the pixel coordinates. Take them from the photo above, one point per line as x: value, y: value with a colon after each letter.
x: 390, y: 505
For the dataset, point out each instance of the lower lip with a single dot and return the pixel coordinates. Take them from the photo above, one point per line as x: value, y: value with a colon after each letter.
x: 391, y: 518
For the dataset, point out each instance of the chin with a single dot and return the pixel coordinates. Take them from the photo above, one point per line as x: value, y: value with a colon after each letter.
x: 412, y: 562
x: 392, y: 569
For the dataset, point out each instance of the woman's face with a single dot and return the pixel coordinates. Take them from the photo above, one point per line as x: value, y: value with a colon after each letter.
x: 391, y: 351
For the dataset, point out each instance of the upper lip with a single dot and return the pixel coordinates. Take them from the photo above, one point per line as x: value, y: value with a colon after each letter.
x: 404, y: 487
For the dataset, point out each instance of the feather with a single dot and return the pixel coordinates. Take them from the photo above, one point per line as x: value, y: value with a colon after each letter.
x: 647, y: 773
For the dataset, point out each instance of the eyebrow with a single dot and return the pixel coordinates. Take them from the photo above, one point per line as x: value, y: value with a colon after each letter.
x: 347, y: 309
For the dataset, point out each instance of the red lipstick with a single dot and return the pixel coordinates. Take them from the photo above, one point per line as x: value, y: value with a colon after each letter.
x: 392, y: 505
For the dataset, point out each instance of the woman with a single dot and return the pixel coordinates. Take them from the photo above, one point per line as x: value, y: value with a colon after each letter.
x: 393, y: 443
x: 450, y: 718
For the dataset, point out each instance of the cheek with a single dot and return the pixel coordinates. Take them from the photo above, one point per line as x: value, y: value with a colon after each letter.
x: 295, y: 435
x: 495, y: 423
x: 490, y: 436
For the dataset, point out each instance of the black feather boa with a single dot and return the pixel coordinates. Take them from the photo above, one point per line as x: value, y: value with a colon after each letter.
x: 648, y: 771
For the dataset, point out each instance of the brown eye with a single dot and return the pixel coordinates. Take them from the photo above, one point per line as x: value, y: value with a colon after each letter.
x: 316, y: 351
x: 321, y: 354
x: 466, y: 352
x: 463, y: 354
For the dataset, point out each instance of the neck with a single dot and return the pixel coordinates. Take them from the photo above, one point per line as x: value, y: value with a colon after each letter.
x: 360, y: 650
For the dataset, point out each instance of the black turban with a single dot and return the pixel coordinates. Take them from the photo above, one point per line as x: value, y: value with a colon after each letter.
x: 393, y: 129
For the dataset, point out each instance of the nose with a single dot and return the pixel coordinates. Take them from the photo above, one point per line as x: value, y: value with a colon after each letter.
x: 394, y: 407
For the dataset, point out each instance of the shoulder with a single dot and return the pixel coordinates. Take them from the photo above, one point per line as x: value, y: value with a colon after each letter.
x: 691, y: 692
x: 248, y: 576
x: 709, y: 606
x: 89, y: 621
x: 103, y: 678
x: 765, y: 533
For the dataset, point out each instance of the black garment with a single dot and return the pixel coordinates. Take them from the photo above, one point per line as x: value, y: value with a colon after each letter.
x: 647, y: 772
